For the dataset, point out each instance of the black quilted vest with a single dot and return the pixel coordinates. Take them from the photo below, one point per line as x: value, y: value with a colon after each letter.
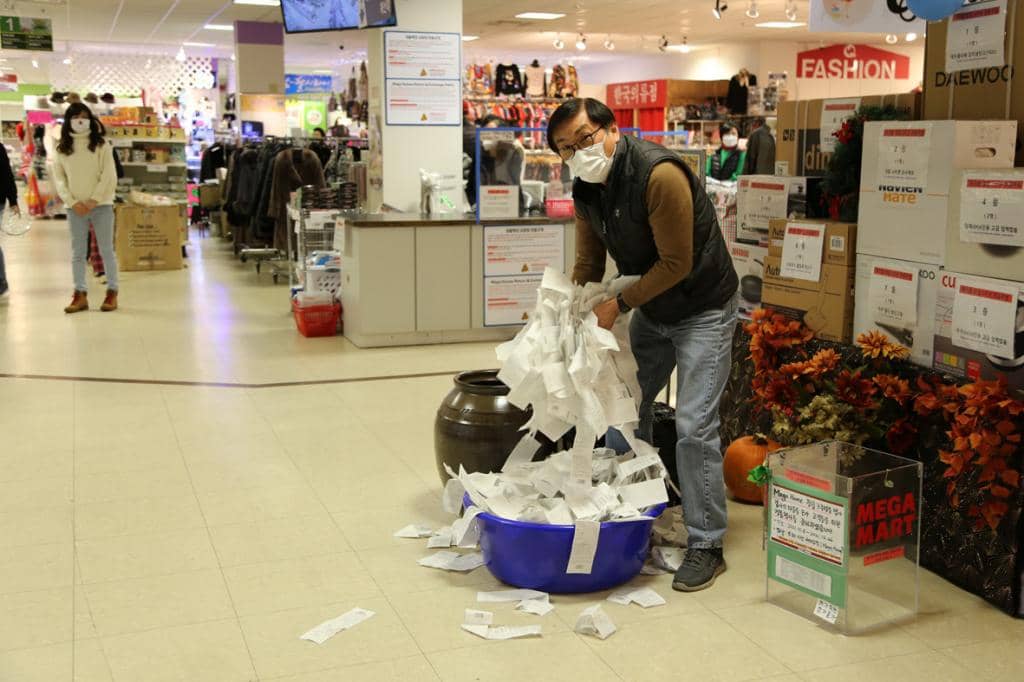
x: 725, y: 171
x: 618, y: 215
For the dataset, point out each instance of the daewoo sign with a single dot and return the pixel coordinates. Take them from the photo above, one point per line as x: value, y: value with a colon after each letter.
x: 852, y: 62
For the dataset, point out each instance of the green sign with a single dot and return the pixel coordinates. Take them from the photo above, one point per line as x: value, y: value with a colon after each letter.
x: 26, y: 33
x: 807, y: 545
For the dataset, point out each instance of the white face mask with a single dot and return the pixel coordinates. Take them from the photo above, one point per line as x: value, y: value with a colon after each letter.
x: 730, y: 141
x: 591, y: 164
x: 80, y: 125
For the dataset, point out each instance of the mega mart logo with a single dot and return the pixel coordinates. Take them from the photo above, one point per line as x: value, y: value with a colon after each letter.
x: 852, y: 62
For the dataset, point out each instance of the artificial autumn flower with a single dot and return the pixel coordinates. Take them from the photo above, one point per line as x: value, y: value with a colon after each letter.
x: 825, y: 360
x: 894, y: 351
x: 893, y: 387
x: 853, y: 389
x: 872, y: 344
x: 901, y: 436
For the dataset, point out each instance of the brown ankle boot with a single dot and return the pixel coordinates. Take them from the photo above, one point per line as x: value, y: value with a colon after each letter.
x: 79, y: 302
x: 110, y: 302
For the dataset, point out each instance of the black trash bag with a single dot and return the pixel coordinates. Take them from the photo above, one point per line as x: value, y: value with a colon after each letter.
x: 664, y: 437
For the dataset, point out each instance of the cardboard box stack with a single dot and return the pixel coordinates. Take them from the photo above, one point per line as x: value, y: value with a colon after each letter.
x: 148, y: 237
x: 822, y: 292
x: 941, y: 218
x: 762, y: 198
x: 804, y: 141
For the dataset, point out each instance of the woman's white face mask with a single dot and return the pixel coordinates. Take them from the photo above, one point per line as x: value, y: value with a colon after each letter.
x: 591, y: 164
x: 80, y: 125
x: 730, y: 141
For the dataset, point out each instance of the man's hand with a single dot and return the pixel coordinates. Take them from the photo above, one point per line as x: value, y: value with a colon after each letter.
x: 81, y: 209
x: 91, y: 204
x: 607, y: 313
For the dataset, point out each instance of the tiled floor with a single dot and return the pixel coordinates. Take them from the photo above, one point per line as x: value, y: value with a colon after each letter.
x: 154, y: 532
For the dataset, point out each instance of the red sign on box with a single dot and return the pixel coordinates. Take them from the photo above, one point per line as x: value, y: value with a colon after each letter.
x: 638, y: 95
x: 852, y: 62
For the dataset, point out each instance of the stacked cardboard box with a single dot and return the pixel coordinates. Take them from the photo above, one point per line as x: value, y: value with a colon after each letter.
x: 826, y: 304
x: 802, y: 148
x: 762, y: 198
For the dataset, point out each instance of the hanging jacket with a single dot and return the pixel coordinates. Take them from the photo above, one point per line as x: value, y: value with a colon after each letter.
x: 212, y: 159
x: 292, y: 169
x: 536, y: 81
x: 507, y: 80
x: 618, y: 215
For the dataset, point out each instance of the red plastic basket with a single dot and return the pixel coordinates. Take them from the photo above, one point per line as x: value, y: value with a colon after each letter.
x: 317, y: 320
x: 559, y: 208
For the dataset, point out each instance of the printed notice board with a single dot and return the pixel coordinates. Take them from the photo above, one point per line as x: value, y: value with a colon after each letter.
x: 515, y: 257
x: 808, y: 538
x: 422, y: 78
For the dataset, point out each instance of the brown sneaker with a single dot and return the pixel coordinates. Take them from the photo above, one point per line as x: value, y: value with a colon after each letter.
x: 110, y: 302
x: 79, y: 302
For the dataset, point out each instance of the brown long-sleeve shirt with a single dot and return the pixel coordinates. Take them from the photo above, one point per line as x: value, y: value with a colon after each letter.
x: 670, y: 214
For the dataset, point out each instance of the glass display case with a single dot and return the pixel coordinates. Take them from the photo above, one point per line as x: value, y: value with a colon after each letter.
x: 842, y: 527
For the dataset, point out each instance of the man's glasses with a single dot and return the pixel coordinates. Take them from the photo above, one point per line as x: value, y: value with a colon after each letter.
x: 587, y: 140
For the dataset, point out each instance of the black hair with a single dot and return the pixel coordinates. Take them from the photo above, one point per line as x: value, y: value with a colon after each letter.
x: 321, y: 131
x: 599, y: 114
x: 492, y: 118
x: 67, y: 144
x: 725, y: 128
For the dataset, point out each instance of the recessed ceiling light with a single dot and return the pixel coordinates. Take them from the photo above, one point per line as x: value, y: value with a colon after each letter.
x: 540, y: 16
x: 191, y: 44
x: 892, y: 38
x: 609, y: 44
x: 219, y: 27
x: 35, y: 63
x: 581, y: 42
x: 66, y: 60
x: 467, y: 39
x: 911, y: 37
x: 558, y: 43
x: 261, y: 3
x: 780, y: 24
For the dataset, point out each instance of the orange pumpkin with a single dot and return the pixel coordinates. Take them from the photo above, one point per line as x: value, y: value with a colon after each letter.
x: 742, y: 455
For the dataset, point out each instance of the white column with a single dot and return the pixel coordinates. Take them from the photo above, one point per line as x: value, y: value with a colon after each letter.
x: 405, y: 149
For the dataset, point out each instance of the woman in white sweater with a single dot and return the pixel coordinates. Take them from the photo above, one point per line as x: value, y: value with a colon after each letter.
x: 86, y: 179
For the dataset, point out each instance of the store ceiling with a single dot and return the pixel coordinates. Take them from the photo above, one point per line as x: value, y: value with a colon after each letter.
x: 635, y: 27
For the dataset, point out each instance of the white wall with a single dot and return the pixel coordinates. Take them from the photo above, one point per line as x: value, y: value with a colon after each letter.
x: 406, y: 149
x: 781, y: 56
x: 722, y: 62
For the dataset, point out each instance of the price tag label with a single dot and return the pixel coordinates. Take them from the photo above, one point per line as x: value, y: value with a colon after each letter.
x: 904, y: 154
x: 120, y: 142
x: 833, y: 113
x: 801, y: 251
x: 976, y: 36
x: 893, y: 295
x: 761, y: 201
x: 992, y: 208
x: 157, y: 167
x: 827, y: 611
x: 985, y: 316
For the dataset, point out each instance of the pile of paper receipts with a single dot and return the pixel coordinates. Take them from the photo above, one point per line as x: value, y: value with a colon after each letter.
x: 573, y: 374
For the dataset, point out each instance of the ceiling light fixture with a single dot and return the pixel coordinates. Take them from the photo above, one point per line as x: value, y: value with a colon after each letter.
x: 663, y: 43
x: 259, y: 3
x: 581, y: 42
x: 468, y: 39
x: 538, y: 16
x: 791, y: 11
x: 558, y: 43
x: 891, y: 38
x: 752, y: 10
x: 323, y: 72
x: 66, y: 61
x: 780, y: 24
x: 719, y: 8
x: 35, y: 63
x: 189, y: 43
x: 219, y: 27
x: 911, y: 37
x: 181, y: 56
x: 608, y: 44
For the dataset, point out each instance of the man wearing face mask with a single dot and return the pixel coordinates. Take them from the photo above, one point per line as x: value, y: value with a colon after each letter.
x: 636, y: 201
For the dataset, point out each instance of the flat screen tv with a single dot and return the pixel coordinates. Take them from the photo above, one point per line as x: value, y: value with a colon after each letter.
x: 305, y: 16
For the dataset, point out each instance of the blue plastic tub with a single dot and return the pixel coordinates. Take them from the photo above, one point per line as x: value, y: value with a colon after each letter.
x: 534, y: 555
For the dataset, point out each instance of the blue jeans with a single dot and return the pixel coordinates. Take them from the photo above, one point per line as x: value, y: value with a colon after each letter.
x: 102, y: 219
x: 701, y: 348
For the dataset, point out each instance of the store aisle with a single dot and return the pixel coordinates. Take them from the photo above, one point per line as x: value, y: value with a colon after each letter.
x: 153, y: 532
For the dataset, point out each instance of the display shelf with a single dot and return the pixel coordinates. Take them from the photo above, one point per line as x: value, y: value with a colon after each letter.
x: 140, y: 164
x: 129, y: 141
